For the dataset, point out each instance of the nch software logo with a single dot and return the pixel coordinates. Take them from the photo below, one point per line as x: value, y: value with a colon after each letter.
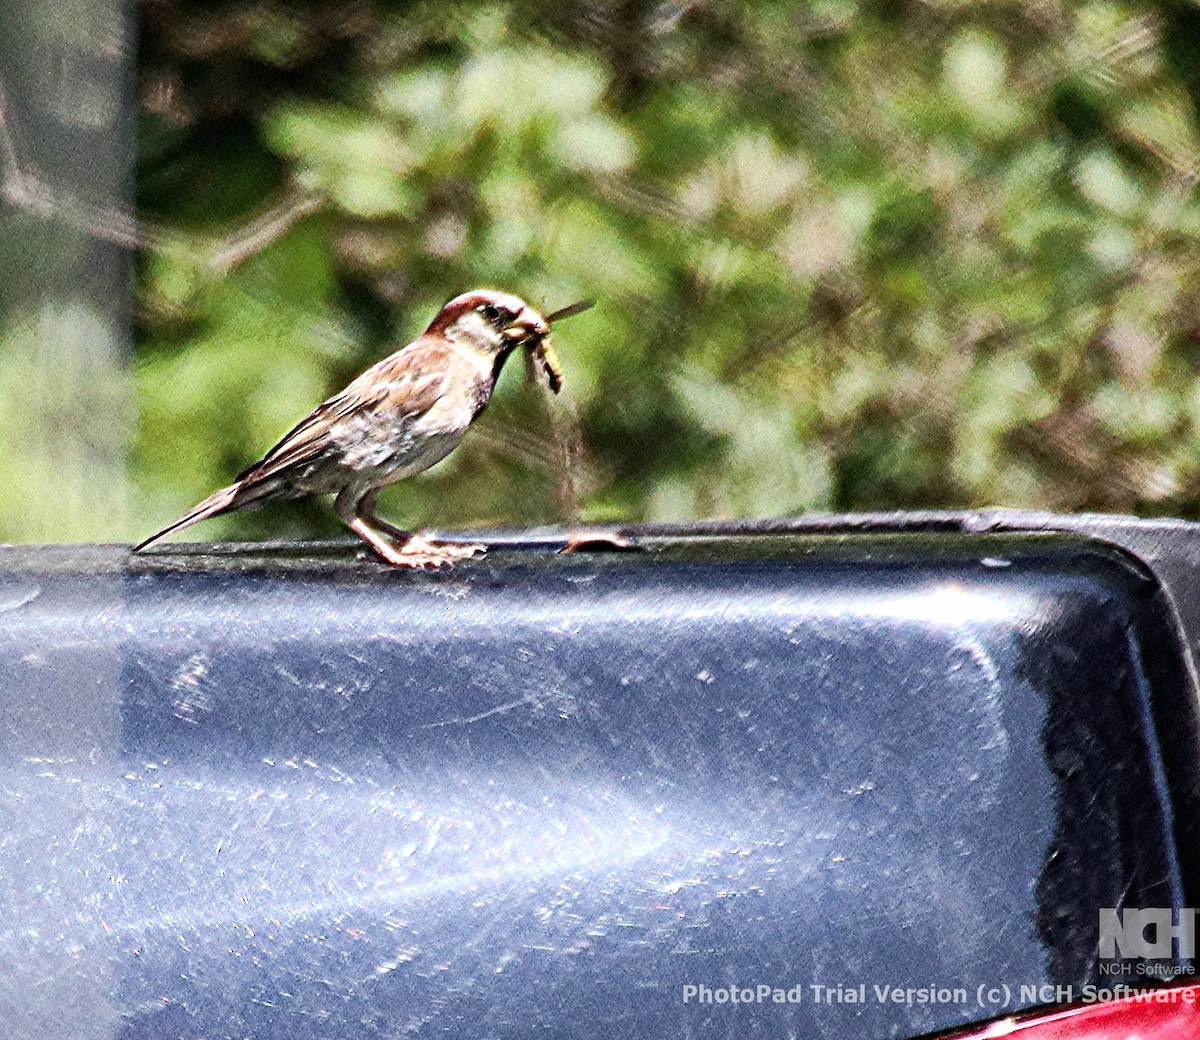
x: 1152, y: 932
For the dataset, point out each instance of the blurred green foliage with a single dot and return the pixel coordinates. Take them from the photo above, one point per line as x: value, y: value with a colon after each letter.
x: 848, y: 255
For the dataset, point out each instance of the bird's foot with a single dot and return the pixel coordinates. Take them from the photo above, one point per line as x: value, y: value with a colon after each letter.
x: 417, y: 552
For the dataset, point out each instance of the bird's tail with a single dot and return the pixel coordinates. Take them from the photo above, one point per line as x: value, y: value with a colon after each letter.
x: 218, y: 502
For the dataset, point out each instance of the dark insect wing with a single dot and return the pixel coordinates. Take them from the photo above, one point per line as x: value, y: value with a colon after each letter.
x: 570, y: 311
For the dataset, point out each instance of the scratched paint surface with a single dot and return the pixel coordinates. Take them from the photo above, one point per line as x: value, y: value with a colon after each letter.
x: 540, y: 797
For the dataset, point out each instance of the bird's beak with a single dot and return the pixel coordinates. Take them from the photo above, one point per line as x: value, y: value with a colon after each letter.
x: 528, y: 329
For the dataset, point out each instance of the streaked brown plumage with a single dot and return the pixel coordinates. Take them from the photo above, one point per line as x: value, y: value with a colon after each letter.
x: 399, y: 417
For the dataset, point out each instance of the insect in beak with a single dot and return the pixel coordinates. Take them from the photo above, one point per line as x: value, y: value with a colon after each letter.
x: 541, y: 348
x: 546, y: 356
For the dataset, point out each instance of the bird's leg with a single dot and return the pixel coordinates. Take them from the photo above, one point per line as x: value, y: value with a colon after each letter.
x: 407, y: 550
x: 365, y: 509
x: 349, y: 508
x: 413, y: 545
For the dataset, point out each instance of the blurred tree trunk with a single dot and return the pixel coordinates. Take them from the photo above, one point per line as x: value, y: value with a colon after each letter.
x: 67, y: 144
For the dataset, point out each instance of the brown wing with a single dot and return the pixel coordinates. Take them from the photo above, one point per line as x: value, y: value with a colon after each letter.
x: 408, y: 383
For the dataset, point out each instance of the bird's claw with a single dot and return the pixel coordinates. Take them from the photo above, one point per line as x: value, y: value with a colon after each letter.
x: 421, y: 554
x: 440, y: 559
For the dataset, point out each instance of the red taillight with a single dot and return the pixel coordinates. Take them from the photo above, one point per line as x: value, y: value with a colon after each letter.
x: 1163, y: 1014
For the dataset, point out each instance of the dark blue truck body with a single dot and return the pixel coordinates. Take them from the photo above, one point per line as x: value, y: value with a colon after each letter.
x: 283, y: 792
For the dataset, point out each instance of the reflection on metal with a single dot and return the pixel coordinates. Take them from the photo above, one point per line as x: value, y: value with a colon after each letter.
x: 277, y: 791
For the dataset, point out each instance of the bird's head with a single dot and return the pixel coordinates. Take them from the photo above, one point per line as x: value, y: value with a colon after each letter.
x: 493, y: 323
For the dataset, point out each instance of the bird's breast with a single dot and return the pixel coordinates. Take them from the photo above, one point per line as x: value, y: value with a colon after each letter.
x: 381, y: 450
x: 463, y: 399
x: 385, y: 445
x: 480, y: 397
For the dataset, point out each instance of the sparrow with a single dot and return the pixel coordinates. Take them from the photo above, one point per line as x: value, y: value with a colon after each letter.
x: 398, y: 418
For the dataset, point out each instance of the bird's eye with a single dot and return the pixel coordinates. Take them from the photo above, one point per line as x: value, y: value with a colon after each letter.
x: 490, y: 311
